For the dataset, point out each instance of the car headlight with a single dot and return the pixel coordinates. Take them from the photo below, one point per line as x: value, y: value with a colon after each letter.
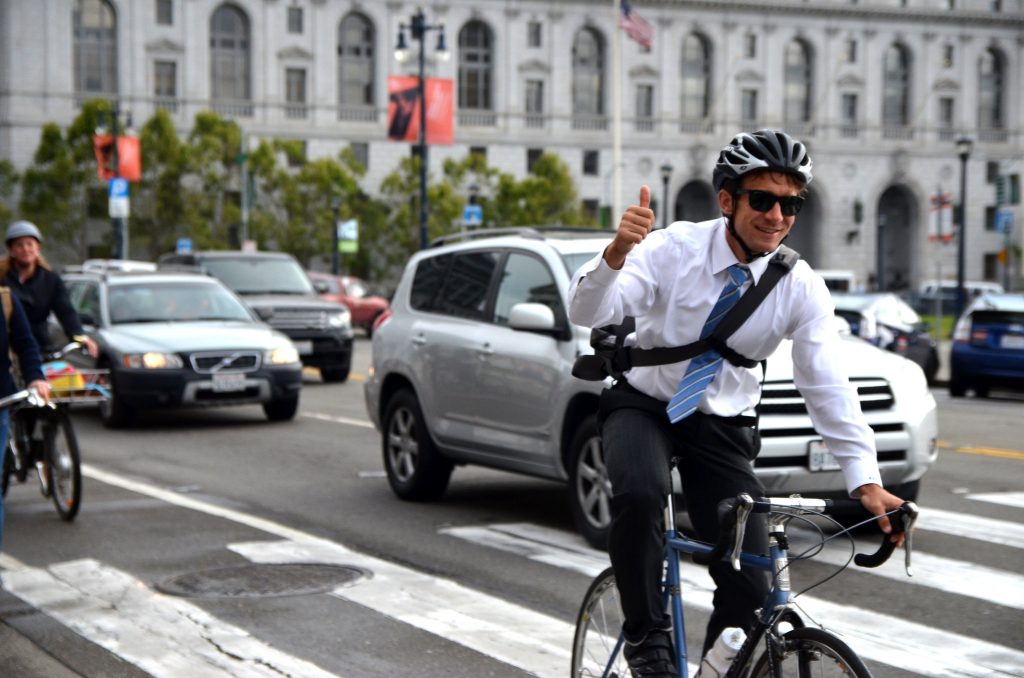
x: 282, y: 355
x: 340, y: 319
x: 152, y: 361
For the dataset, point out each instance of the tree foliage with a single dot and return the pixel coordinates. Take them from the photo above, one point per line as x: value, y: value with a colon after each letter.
x: 193, y: 186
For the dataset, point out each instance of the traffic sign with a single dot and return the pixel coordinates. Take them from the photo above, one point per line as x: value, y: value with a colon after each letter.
x: 117, y: 202
x: 183, y: 246
x: 473, y: 215
x: 348, y: 236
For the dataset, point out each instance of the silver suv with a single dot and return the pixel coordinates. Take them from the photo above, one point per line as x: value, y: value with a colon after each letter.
x: 473, y: 367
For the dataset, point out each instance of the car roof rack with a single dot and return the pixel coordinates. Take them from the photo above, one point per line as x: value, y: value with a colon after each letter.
x: 536, y: 232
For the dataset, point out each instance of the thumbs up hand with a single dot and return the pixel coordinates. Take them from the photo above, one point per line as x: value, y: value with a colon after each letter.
x: 636, y: 223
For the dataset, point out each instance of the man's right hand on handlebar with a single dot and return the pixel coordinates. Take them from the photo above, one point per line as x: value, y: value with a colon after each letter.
x: 878, y: 501
x: 636, y: 223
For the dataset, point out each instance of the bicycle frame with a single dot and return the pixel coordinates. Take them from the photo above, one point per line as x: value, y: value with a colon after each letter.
x: 777, y: 563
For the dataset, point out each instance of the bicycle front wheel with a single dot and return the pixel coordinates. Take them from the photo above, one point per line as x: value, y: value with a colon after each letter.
x: 809, y: 653
x: 597, y: 644
x: 63, y: 465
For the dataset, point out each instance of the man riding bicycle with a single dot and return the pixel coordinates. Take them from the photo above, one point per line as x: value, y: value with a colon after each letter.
x: 40, y: 290
x: 678, y: 282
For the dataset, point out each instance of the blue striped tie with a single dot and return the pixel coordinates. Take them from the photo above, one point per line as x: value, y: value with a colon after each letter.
x: 703, y: 368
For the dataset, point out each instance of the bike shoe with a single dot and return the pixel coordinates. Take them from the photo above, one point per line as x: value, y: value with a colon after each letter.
x: 652, y: 657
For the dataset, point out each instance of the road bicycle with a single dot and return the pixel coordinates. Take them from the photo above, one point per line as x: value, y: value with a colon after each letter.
x: 42, y: 436
x: 778, y: 644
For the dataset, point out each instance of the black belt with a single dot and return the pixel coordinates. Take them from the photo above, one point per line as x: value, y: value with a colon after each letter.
x: 739, y: 420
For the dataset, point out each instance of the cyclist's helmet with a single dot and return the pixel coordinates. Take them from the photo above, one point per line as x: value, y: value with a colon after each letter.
x: 764, y: 149
x: 20, y: 229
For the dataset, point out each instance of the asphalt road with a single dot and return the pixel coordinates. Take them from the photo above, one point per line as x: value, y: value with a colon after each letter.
x: 486, y: 582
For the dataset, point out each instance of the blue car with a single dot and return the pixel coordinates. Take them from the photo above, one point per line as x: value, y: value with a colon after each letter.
x: 988, y: 346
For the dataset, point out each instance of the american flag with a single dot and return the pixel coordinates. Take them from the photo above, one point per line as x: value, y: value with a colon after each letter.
x: 635, y: 26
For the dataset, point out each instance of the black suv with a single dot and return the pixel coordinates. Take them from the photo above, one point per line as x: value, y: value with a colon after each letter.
x: 279, y: 291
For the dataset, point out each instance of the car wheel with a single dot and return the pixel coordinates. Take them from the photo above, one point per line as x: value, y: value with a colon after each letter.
x: 957, y: 387
x: 114, y: 411
x: 981, y: 390
x: 931, y: 367
x: 334, y: 375
x: 282, y: 409
x: 416, y: 470
x: 590, y: 490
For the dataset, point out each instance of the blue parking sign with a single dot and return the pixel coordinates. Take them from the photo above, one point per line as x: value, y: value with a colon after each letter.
x: 117, y: 198
x: 473, y: 215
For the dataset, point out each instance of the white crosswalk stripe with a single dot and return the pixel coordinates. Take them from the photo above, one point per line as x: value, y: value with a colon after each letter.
x: 162, y: 635
x: 877, y: 637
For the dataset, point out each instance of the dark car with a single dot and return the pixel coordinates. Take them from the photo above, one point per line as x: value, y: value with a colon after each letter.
x: 275, y: 285
x: 181, y: 340
x: 889, y: 322
x: 988, y: 346
x: 361, y: 301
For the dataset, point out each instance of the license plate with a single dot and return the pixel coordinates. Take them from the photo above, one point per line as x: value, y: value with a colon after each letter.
x: 304, y: 347
x: 819, y: 458
x: 1012, y: 341
x: 225, y: 383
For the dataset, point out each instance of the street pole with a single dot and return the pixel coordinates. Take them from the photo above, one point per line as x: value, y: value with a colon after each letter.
x: 335, y: 255
x: 963, y: 145
x: 418, y: 23
x: 117, y: 223
x: 418, y: 28
x: 666, y: 174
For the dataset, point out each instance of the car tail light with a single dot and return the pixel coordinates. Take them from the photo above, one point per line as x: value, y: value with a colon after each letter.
x: 979, y: 336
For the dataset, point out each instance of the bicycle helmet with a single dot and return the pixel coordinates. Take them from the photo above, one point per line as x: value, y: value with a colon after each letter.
x: 20, y: 229
x: 764, y: 149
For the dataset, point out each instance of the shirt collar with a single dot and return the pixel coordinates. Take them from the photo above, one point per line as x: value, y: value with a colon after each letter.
x: 722, y: 256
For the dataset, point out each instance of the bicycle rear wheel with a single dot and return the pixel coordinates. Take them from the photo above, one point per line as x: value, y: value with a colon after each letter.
x: 809, y: 653
x: 63, y: 465
x: 597, y: 645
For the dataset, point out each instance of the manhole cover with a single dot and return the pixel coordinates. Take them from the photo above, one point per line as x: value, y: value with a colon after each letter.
x: 254, y: 581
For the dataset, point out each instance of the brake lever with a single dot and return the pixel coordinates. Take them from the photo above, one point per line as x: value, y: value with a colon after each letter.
x: 909, y: 520
x: 743, y: 508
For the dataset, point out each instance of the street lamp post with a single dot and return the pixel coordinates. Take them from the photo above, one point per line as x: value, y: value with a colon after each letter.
x: 964, y: 146
x: 666, y: 174
x: 418, y: 28
x: 335, y: 255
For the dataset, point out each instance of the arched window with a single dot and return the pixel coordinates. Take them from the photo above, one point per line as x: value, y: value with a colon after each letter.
x: 229, y: 55
x: 588, y: 73
x: 355, y: 61
x: 797, y: 93
x: 696, y: 78
x: 991, y: 90
x: 95, y: 51
x: 896, y: 88
x: 476, y: 66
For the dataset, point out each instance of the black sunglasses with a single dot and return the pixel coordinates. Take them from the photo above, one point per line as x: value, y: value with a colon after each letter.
x: 762, y: 201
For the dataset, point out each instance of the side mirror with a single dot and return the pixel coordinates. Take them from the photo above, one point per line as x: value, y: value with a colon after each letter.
x: 321, y: 286
x: 531, y: 318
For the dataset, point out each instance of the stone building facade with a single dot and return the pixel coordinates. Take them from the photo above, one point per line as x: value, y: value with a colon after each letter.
x: 879, y: 89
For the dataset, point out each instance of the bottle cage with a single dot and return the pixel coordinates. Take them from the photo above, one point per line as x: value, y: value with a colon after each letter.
x: 612, y: 357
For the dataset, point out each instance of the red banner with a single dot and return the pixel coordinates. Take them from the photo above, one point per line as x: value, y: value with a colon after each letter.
x: 129, y: 157
x: 404, y: 109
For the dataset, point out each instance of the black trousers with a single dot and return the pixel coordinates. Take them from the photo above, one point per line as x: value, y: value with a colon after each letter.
x: 715, y: 456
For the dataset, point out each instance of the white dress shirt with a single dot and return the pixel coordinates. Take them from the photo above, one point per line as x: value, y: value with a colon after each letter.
x: 672, y: 280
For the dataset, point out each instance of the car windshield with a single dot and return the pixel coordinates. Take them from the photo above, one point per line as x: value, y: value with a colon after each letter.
x: 260, y: 275
x: 573, y: 260
x: 173, y: 302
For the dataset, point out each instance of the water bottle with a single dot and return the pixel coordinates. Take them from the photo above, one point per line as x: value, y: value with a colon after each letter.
x: 716, y: 661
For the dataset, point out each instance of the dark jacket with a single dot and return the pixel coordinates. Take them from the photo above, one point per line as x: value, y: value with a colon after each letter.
x: 19, y: 339
x: 39, y: 295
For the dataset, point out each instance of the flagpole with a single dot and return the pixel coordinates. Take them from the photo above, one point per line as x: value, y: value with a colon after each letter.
x: 616, y: 116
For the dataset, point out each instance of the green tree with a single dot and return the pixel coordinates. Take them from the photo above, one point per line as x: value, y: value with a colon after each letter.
x: 8, y: 181
x: 159, y: 200
x: 212, y: 159
x: 546, y: 197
